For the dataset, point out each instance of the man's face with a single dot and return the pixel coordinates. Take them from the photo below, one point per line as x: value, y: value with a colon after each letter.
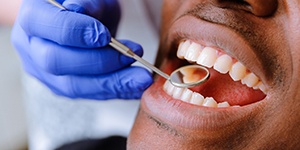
x: 252, y: 50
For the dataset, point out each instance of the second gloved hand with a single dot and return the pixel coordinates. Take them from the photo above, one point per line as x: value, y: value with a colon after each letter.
x: 68, y: 51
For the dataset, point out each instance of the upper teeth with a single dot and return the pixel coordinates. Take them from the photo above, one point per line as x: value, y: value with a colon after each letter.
x: 223, y: 63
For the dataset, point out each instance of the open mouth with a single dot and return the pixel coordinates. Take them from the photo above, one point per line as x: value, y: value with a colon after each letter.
x: 236, y: 90
x: 231, y: 84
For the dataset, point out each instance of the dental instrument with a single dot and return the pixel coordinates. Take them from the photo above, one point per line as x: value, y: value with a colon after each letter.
x: 184, y: 77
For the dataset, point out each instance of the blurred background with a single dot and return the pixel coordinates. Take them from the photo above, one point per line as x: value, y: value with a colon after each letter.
x: 13, y: 129
x: 12, y: 113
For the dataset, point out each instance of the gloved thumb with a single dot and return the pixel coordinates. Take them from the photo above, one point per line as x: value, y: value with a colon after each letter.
x: 63, y: 27
x: 106, y: 11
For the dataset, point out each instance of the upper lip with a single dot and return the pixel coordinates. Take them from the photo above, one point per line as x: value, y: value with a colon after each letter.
x: 181, y: 114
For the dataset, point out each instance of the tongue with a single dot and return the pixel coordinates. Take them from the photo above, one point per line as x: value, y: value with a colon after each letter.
x: 222, y: 88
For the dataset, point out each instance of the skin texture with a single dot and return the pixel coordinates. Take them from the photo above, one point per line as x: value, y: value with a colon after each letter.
x: 264, y: 36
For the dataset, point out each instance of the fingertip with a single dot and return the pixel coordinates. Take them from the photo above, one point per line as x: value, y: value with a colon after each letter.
x: 105, y: 36
x: 140, y: 80
x: 74, y: 7
x: 143, y: 79
x: 137, y: 79
x: 136, y: 48
x: 70, y: 28
x: 97, y: 35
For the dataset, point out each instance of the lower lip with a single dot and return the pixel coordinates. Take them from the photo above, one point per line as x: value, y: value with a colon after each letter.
x: 159, y: 105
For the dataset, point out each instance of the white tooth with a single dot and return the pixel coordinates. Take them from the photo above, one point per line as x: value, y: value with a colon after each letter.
x: 186, y: 95
x: 223, y: 64
x: 238, y: 71
x: 193, y: 52
x: 262, y: 87
x: 183, y: 47
x: 207, y: 57
x: 197, y: 99
x: 210, y: 102
x: 250, y: 80
x: 168, y: 87
x: 177, y: 92
x: 223, y: 104
x: 256, y: 87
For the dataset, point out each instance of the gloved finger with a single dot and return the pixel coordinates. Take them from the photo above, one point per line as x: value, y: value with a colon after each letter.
x: 106, y: 11
x: 42, y: 19
x: 129, y: 83
x: 62, y: 60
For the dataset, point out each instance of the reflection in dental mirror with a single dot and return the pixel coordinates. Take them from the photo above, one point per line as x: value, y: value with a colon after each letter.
x: 189, y: 76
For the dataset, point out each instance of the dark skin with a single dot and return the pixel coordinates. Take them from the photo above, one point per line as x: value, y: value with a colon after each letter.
x: 264, y: 36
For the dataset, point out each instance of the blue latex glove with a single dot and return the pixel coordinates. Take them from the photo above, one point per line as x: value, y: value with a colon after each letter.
x: 68, y: 52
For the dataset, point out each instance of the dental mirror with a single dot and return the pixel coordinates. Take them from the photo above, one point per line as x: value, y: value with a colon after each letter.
x: 187, y: 76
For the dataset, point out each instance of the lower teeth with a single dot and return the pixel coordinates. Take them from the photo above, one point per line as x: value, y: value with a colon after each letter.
x: 186, y: 95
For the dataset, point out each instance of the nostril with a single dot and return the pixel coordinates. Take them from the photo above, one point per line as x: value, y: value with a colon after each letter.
x: 262, y: 8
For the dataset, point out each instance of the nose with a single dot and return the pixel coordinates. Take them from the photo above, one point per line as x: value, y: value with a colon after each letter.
x: 261, y: 8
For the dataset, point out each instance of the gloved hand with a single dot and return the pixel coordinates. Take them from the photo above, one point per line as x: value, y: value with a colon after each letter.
x: 68, y: 52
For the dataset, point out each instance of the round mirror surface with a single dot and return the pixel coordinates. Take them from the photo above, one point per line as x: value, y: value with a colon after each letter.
x: 189, y: 76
